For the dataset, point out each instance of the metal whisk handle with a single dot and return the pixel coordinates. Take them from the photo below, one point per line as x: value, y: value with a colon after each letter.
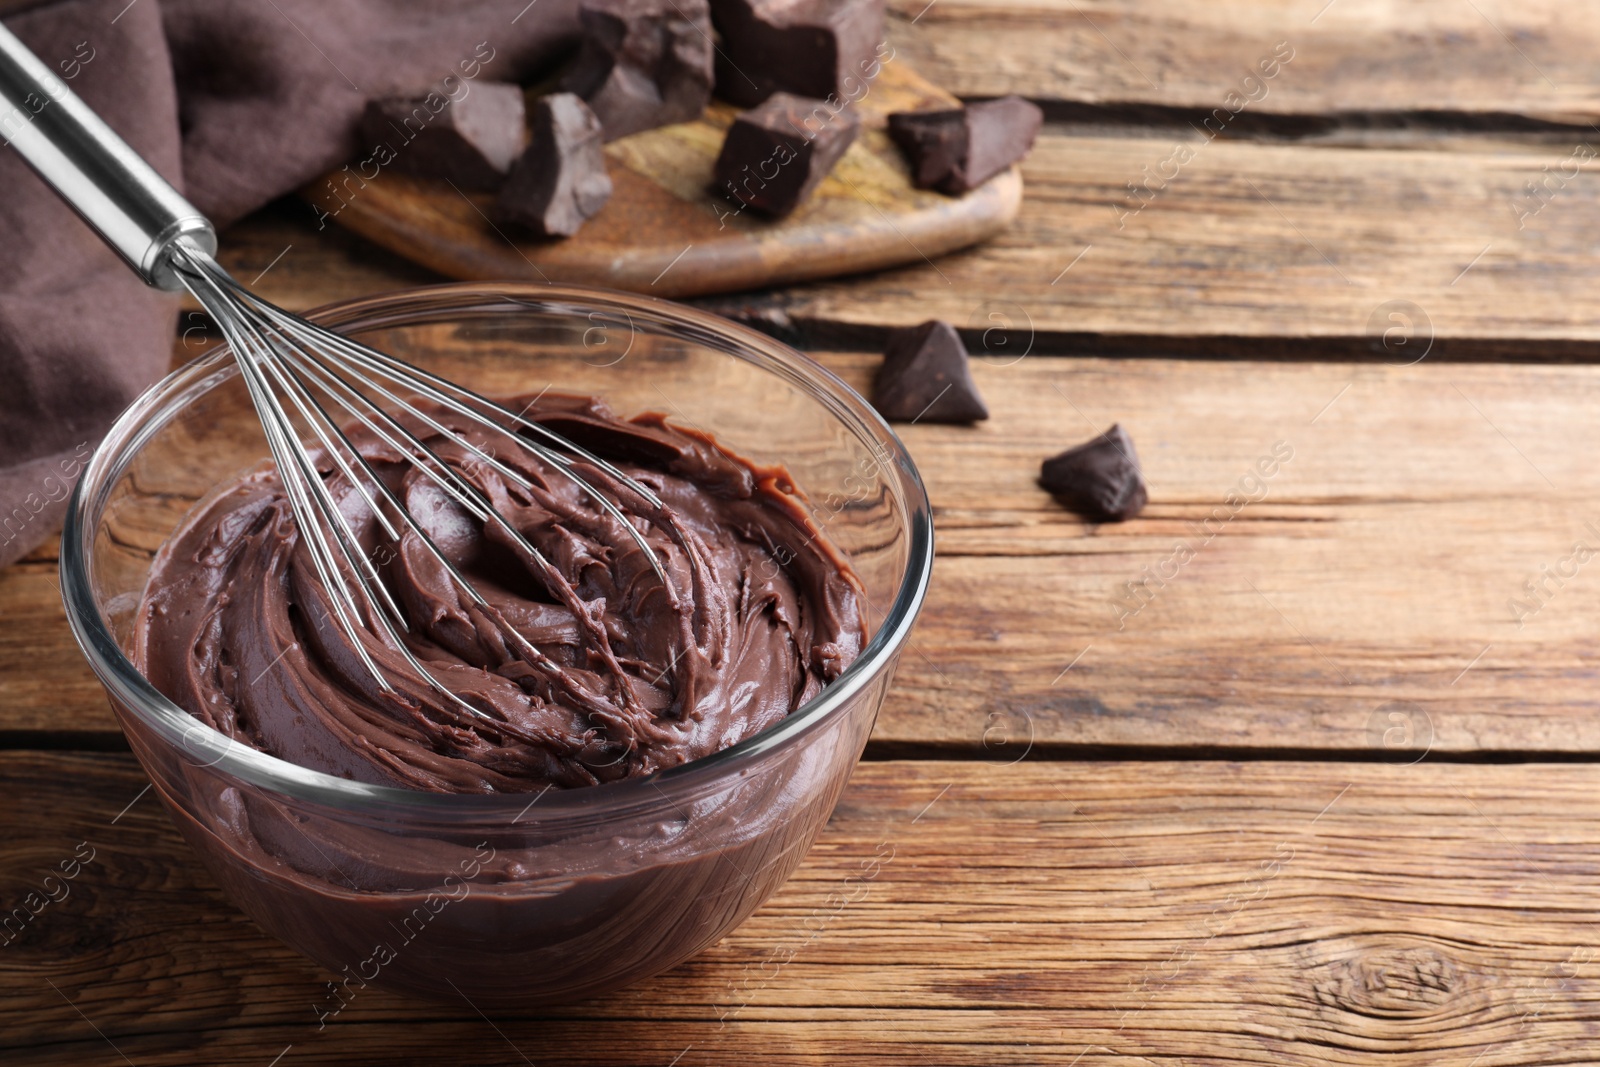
x: 105, y: 181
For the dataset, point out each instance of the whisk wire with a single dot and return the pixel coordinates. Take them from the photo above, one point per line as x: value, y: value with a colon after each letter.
x: 351, y: 543
x: 276, y: 348
x: 310, y: 502
x: 289, y: 460
x: 448, y: 394
x: 563, y: 464
x: 430, y: 463
x: 296, y: 332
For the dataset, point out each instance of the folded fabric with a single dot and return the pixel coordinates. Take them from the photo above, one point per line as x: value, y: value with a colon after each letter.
x: 235, y: 101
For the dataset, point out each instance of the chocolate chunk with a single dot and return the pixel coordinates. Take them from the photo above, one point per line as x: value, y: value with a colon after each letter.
x: 472, y: 141
x: 933, y: 142
x: 1099, y: 478
x: 643, y: 63
x: 958, y: 150
x: 560, y: 181
x: 775, y: 155
x: 925, y: 378
x: 814, y: 48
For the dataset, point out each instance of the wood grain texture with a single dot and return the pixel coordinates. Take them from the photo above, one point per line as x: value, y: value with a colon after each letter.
x: 1276, y: 249
x: 665, y: 233
x: 1300, y: 914
x: 1489, y: 59
x: 1380, y: 571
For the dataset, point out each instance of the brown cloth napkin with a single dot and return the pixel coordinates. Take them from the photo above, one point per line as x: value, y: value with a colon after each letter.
x: 235, y: 101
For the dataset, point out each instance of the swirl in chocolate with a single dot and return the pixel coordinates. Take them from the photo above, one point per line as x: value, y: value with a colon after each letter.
x: 633, y: 675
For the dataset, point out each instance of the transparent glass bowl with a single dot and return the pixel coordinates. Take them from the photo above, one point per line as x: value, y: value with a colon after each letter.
x: 510, y: 901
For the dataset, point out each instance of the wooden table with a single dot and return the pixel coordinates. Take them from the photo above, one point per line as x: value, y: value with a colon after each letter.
x: 1324, y: 795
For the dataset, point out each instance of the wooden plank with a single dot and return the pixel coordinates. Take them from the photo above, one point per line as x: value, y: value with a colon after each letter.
x: 1490, y: 59
x: 1302, y: 914
x: 1252, y: 248
x: 1381, y: 570
x: 46, y: 686
x: 1374, y: 574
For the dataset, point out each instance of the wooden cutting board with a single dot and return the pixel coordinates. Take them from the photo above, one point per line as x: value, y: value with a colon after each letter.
x: 664, y: 232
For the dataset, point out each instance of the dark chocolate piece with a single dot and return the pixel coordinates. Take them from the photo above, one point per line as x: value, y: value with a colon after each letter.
x: 925, y: 377
x: 817, y: 48
x: 560, y: 182
x: 934, y: 143
x: 472, y: 140
x: 777, y: 154
x: 1099, y: 479
x: 958, y: 150
x: 643, y: 63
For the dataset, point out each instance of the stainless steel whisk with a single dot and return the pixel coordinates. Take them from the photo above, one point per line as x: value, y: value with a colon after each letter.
x: 286, y: 362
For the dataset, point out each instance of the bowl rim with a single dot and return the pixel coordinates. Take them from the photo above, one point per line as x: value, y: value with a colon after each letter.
x: 415, y: 306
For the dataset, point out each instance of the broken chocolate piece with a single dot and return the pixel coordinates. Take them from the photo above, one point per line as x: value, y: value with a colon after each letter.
x: 1099, y: 479
x: 958, y: 150
x: 775, y: 155
x: 472, y: 140
x: 925, y: 377
x: 560, y: 182
x: 933, y: 142
x: 817, y: 48
x: 643, y: 63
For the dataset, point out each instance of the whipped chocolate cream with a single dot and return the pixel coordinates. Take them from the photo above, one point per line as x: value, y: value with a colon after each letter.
x: 637, y: 674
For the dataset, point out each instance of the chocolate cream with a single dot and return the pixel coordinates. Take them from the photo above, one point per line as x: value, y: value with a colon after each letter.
x: 633, y: 675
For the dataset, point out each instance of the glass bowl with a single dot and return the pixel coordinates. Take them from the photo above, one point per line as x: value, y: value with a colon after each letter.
x: 511, y: 901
